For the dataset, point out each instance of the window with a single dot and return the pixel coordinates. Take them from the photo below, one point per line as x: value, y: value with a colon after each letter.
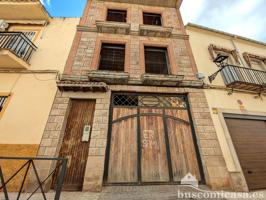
x: 156, y: 60
x: 229, y: 60
x: 112, y: 57
x: 3, y: 100
x: 152, y: 19
x: 117, y: 15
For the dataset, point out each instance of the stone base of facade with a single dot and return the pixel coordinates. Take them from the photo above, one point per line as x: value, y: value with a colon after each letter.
x: 214, y: 167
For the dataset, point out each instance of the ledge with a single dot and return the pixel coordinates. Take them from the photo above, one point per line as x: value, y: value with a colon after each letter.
x: 113, y: 27
x: 8, y: 60
x: 110, y: 77
x: 155, y: 31
x: 161, y: 80
x: 84, y: 86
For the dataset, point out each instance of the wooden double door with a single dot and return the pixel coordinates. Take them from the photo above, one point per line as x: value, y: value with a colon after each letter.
x: 73, y: 148
x: 150, y: 140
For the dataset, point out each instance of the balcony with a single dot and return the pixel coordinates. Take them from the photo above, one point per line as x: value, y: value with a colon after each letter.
x: 15, y: 50
x: 17, y: 10
x: 244, y: 78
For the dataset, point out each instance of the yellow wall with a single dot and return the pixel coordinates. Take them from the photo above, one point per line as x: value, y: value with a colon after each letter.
x: 32, y: 95
x: 219, y: 98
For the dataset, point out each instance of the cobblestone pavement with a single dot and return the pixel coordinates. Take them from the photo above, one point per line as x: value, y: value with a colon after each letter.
x: 128, y: 193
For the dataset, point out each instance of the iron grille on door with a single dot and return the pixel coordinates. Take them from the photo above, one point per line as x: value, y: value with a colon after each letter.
x: 117, y: 15
x: 152, y: 19
x: 112, y: 57
x: 2, y: 102
x: 148, y: 100
x: 156, y: 60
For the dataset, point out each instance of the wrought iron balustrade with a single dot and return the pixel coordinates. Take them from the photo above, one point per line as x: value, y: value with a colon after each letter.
x: 24, y: 170
x: 18, y: 43
x: 244, y: 78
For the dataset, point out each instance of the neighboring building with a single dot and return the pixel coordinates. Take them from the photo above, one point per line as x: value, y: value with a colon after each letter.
x: 236, y: 98
x: 130, y: 109
x: 33, y: 50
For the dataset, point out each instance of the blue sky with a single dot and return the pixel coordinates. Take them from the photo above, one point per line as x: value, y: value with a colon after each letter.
x: 242, y: 17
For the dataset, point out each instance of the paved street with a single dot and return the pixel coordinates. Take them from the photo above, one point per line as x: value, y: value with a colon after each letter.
x: 126, y: 193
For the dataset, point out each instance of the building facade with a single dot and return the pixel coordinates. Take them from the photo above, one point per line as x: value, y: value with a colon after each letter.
x: 130, y: 109
x: 33, y: 50
x: 236, y: 99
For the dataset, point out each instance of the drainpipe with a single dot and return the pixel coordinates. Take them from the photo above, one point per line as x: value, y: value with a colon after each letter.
x: 237, y: 51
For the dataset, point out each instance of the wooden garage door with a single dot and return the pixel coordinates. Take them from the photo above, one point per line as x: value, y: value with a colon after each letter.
x: 150, y: 140
x: 249, y: 139
x: 81, y: 114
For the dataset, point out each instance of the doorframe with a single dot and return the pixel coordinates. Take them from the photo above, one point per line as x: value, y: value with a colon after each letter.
x: 193, y: 133
x: 236, y: 114
x: 63, y: 130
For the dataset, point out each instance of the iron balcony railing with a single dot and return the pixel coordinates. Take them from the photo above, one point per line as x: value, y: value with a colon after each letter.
x: 244, y: 78
x: 18, y: 43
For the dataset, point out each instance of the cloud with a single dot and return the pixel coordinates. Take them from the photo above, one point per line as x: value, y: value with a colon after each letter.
x: 46, y: 2
x: 241, y: 17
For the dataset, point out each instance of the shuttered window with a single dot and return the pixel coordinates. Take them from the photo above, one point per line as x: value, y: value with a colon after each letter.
x: 156, y: 60
x: 112, y: 57
x: 117, y: 15
x: 2, y: 102
x: 152, y: 19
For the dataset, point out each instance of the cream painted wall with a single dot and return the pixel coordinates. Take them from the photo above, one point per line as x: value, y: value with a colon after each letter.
x: 32, y: 95
x: 200, y: 40
x: 218, y: 98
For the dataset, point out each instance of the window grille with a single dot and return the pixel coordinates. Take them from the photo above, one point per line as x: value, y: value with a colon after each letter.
x: 148, y: 100
x: 152, y: 19
x: 156, y: 60
x: 117, y: 15
x: 2, y: 102
x: 112, y: 57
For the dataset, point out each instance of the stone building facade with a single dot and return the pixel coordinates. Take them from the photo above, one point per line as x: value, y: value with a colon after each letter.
x: 121, y: 99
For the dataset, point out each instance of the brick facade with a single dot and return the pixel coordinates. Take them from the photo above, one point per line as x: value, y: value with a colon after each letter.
x: 84, y: 57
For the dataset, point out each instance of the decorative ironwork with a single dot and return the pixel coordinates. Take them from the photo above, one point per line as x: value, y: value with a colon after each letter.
x: 244, y: 78
x: 156, y: 60
x: 18, y: 43
x: 62, y: 164
x: 2, y: 102
x: 146, y: 100
x: 112, y: 57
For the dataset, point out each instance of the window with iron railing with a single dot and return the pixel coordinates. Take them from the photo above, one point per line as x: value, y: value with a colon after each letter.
x: 117, y: 15
x: 2, y: 102
x: 156, y: 60
x: 112, y: 57
x: 152, y: 19
x: 20, y: 43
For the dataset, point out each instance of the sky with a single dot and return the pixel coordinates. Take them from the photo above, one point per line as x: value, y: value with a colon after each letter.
x: 242, y: 17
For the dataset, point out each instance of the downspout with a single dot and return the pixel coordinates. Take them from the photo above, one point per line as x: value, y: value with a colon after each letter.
x: 237, y: 50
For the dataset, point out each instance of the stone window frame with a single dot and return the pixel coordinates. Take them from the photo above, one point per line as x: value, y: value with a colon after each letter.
x: 98, y: 46
x: 170, y: 52
x: 248, y: 57
x: 117, y: 6
x: 213, y: 49
x: 159, y: 11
